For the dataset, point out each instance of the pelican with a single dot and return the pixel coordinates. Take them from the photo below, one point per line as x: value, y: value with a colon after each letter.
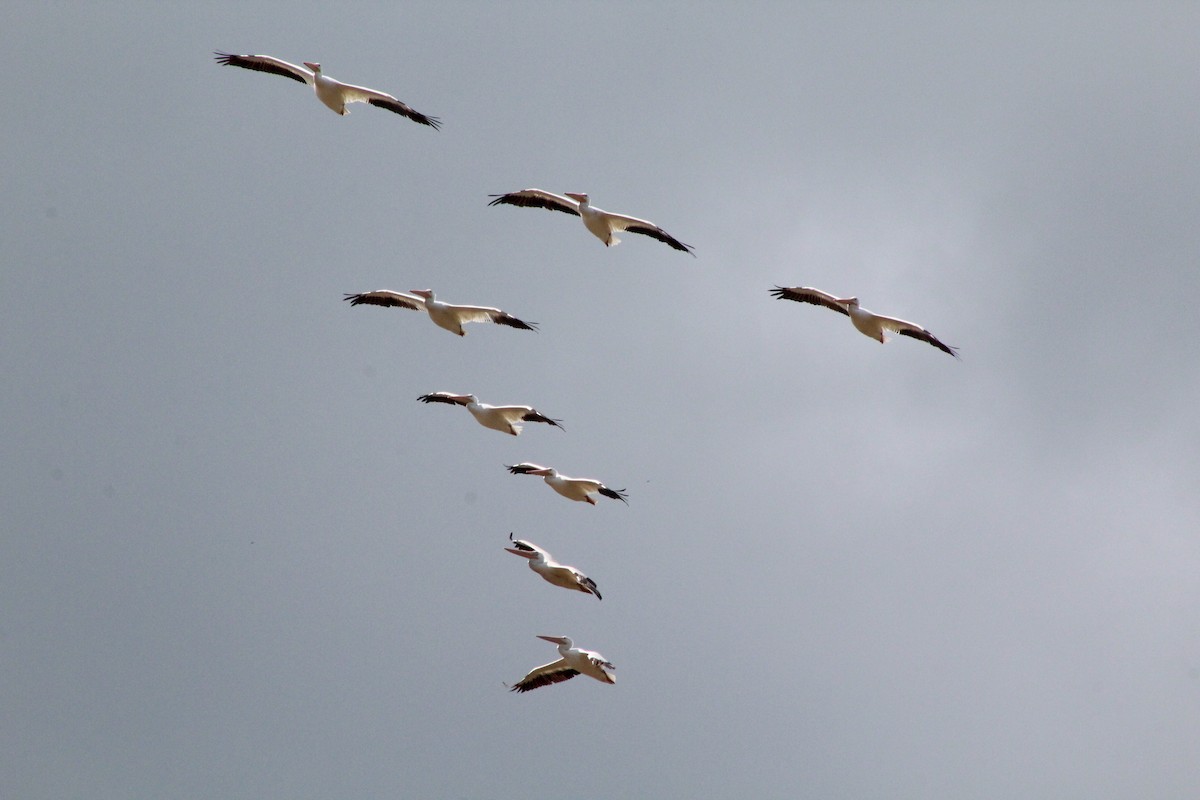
x: 330, y: 92
x: 573, y: 661
x: 506, y: 419
x: 559, y: 574
x: 873, y: 325
x: 444, y: 315
x: 603, y: 224
x: 580, y: 489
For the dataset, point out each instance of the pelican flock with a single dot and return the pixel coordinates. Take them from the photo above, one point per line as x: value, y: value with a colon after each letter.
x: 509, y: 419
x: 506, y: 419
x: 867, y: 323
x: 572, y: 661
x: 558, y: 574
x: 444, y: 315
x: 333, y: 94
x: 581, y: 489
x: 604, y: 225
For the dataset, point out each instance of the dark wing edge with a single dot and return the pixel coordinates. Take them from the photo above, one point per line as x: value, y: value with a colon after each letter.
x: 615, y: 494
x: 438, y: 397
x: 248, y: 62
x: 507, y: 319
x: 926, y: 336
x: 535, y: 416
x: 367, y: 298
x: 530, y: 684
x: 528, y: 201
x: 405, y: 110
x: 663, y: 236
x: 781, y: 293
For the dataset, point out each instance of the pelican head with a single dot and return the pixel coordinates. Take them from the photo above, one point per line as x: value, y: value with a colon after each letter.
x: 578, y: 196
x: 314, y: 66
x: 561, y: 641
x: 426, y: 293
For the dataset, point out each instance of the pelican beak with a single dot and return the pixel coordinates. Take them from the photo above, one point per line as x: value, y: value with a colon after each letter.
x: 524, y: 553
x: 555, y: 639
x: 313, y: 65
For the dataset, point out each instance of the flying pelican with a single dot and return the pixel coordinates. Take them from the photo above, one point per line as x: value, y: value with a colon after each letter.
x: 574, y: 661
x: 506, y: 419
x: 873, y: 325
x: 330, y: 92
x: 580, y: 489
x: 559, y: 574
x: 444, y: 315
x: 603, y: 224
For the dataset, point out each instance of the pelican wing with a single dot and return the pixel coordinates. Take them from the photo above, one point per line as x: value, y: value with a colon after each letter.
x: 590, y: 584
x: 384, y: 297
x: 615, y: 494
x: 532, y: 415
x: 444, y: 397
x: 524, y: 468
x: 803, y: 294
x: 906, y: 328
x: 266, y: 64
x: 635, y: 225
x: 485, y: 314
x: 361, y: 94
x: 537, y: 198
x: 554, y: 672
x: 605, y: 668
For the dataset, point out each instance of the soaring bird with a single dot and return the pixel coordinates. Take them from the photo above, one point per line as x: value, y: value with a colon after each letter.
x: 506, y: 419
x: 330, y: 92
x: 573, y: 661
x: 873, y: 325
x: 580, y: 489
x: 559, y: 574
x: 604, y: 225
x: 444, y: 315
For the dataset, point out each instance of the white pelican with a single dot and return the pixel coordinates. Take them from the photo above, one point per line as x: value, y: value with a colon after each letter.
x: 330, y: 92
x: 444, y: 315
x: 603, y: 224
x: 506, y: 419
x: 558, y: 574
x: 573, y: 661
x: 580, y: 489
x: 872, y: 325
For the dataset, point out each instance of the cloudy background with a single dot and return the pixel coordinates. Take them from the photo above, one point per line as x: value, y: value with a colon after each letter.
x: 240, y: 560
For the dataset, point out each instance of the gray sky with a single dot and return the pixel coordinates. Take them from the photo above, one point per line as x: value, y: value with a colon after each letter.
x: 240, y: 560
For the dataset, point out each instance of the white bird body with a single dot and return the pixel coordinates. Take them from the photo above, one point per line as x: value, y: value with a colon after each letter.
x: 866, y: 322
x: 333, y: 94
x: 572, y: 661
x: 444, y: 315
x: 604, y: 225
x: 558, y: 574
x: 506, y: 419
x: 580, y: 489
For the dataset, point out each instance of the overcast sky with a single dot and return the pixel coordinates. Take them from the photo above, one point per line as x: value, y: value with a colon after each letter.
x: 239, y: 560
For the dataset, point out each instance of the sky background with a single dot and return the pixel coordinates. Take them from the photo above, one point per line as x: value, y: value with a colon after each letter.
x: 238, y: 559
